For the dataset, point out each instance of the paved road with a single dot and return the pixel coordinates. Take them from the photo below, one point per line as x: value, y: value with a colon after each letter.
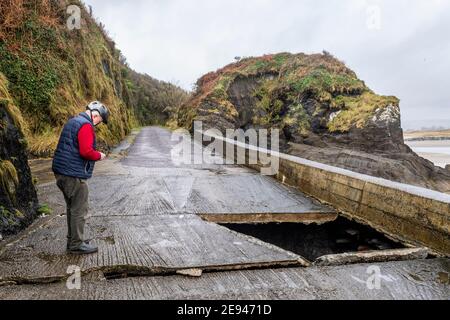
x: 149, y: 220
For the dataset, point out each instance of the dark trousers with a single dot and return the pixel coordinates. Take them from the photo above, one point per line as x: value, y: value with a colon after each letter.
x: 76, y: 195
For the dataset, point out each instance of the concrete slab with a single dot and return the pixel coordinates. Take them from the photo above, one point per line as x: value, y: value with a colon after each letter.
x: 150, y: 245
x: 406, y: 280
x: 255, y: 198
x: 222, y: 199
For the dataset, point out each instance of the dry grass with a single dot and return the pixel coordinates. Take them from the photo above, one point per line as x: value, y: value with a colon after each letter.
x: 43, y: 144
x: 14, y: 12
x: 8, y: 178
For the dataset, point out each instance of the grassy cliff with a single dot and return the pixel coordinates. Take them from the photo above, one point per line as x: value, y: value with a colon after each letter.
x: 286, y: 91
x: 54, y: 72
x: 48, y: 74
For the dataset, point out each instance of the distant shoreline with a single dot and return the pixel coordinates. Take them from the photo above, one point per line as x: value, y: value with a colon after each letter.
x: 428, y: 139
x: 436, y: 135
x: 437, y: 150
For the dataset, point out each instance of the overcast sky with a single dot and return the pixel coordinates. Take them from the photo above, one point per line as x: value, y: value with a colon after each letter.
x: 399, y: 47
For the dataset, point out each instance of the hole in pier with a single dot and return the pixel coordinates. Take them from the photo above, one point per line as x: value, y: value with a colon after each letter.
x: 314, y: 241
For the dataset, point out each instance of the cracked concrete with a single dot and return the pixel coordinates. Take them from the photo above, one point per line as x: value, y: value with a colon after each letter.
x: 407, y: 280
x: 143, y: 217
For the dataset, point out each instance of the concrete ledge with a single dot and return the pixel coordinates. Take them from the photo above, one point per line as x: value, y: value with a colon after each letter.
x: 413, y: 215
x: 245, y: 218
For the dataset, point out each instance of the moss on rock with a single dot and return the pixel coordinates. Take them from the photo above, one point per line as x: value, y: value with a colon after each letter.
x: 306, y: 93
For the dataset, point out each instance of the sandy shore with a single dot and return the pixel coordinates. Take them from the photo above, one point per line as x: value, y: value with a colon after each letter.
x: 437, y: 152
x: 427, y: 134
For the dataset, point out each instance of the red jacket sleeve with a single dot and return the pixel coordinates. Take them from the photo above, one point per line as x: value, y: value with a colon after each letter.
x: 86, y: 143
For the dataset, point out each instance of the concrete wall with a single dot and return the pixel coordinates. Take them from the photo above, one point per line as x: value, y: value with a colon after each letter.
x: 414, y: 215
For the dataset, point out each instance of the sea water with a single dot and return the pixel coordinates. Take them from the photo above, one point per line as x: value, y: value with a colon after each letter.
x: 436, y: 151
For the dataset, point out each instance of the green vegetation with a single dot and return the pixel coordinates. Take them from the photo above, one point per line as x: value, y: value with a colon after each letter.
x: 12, y: 217
x: 267, y: 63
x: 153, y: 100
x: 220, y: 90
x: 324, y: 84
x: 284, y: 83
x: 51, y: 71
x: 269, y: 107
x: 7, y: 104
x: 298, y: 117
x: 33, y: 79
x: 356, y: 110
x: 44, y: 210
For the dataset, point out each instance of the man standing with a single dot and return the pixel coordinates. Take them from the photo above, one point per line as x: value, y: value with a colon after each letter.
x: 73, y: 165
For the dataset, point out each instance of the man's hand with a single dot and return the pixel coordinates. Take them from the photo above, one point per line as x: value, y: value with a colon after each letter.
x: 103, y: 156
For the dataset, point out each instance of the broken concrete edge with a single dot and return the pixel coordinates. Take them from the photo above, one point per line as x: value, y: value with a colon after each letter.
x: 411, y: 280
x: 381, y: 220
x: 372, y: 257
x: 264, y: 218
x: 125, y: 271
x: 195, y: 273
x: 408, y: 243
x: 413, y: 215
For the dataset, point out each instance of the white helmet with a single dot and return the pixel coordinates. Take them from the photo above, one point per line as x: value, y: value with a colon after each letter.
x: 100, y: 108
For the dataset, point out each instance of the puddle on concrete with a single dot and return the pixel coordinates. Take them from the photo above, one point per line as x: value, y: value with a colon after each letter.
x: 314, y: 241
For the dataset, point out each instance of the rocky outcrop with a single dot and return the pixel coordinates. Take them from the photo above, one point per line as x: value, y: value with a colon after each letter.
x: 324, y: 113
